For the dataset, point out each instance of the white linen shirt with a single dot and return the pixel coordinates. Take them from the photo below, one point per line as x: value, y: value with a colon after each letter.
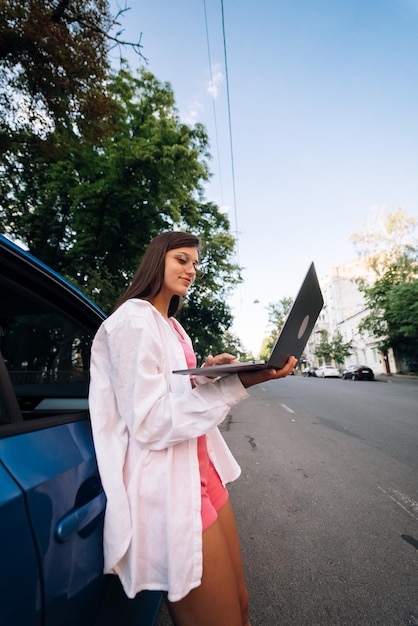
x: 145, y: 423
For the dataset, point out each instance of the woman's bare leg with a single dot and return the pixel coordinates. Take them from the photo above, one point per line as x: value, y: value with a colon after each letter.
x: 227, y: 520
x: 221, y: 599
x: 216, y: 601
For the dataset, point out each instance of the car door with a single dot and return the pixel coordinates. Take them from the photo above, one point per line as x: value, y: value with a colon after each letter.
x: 19, y: 604
x: 51, y: 499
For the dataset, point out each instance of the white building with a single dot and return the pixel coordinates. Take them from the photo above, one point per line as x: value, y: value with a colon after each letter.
x: 343, y: 310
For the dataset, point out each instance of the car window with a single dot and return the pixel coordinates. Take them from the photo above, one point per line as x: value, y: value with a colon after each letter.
x: 46, y: 353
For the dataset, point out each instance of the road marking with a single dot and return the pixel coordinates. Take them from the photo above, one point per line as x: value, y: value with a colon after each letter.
x: 287, y: 408
x: 401, y: 499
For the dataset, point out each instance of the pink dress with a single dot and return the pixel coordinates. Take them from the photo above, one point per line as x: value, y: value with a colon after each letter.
x: 214, y: 494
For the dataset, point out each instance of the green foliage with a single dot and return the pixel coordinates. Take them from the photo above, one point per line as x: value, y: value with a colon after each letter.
x: 94, y: 165
x: 53, y: 67
x: 392, y: 254
x: 387, y: 320
x: 340, y: 348
x: 277, y: 313
x: 146, y: 178
x: 324, y: 348
x: 335, y: 349
x: 396, y: 319
x: 402, y: 320
x: 89, y: 209
x: 402, y: 311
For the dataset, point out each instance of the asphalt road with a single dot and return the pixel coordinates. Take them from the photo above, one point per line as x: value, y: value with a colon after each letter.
x: 327, y: 503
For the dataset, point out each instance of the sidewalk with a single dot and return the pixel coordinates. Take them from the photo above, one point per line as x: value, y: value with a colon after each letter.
x: 397, y: 378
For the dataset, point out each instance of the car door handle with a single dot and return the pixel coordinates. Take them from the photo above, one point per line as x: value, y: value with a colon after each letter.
x: 79, y: 518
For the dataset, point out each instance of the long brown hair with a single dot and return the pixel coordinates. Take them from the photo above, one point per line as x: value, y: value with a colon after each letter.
x: 149, y: 277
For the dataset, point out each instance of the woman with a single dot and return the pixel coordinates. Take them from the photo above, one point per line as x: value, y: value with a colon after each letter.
x: 169, y: 524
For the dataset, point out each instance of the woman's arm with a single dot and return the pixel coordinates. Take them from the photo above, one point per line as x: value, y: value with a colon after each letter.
x: 261, y: 376
x: 161, y: 410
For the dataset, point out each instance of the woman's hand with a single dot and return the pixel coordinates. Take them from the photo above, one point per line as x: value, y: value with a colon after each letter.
x: 260, y: 376
x: 220, y: 359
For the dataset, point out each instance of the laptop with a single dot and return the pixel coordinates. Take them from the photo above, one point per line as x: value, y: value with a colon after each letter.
x: 292, y: 338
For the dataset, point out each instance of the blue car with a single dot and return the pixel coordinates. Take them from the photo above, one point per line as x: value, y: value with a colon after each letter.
x: 51, y: 498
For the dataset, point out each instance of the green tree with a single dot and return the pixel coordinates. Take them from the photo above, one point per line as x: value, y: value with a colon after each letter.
x: 340, y: 348
x: 402, y: 312
x: 89, y: 209
x: 377, y: 295
x: 54, y: 67
x: 402, y: 318
x: 395, y: 319
x: 391, y: 252
x: 324, y: 348
x: 334, y: 349
x: 277, y: 313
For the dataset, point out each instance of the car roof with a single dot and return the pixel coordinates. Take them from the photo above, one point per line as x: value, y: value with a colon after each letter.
x: 19, y: 266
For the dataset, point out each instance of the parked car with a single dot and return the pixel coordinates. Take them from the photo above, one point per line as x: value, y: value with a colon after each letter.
x: 358, y: 372
x: 327, y: 371
x: 51, y: 498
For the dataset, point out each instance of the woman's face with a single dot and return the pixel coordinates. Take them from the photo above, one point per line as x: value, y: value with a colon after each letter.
x: 180, y: 270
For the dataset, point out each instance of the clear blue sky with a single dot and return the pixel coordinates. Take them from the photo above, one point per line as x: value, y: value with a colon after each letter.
x: 324, y: 114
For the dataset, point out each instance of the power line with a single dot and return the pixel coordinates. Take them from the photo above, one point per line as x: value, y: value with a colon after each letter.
x: 229, y: 120
x: 213, y: 104
x: 230, y: 131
